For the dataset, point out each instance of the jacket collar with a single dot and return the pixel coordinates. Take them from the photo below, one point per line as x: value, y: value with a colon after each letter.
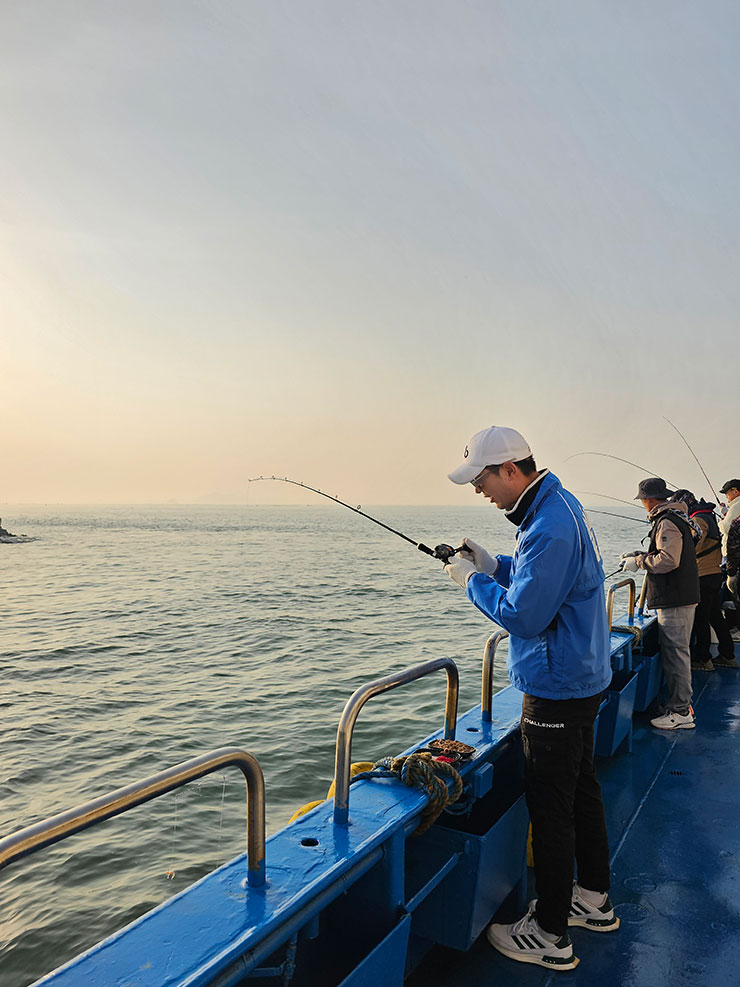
x: 668, y: 505
x: 529, y: 495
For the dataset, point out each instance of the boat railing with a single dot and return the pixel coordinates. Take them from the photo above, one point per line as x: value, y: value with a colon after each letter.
x: 610, y: 601
x: 358, y: 699
x: 643, y: 596
x: 59, y: 827
x: 486, y: 692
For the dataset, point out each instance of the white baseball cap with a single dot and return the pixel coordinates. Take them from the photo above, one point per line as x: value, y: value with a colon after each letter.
x: 491, y: 447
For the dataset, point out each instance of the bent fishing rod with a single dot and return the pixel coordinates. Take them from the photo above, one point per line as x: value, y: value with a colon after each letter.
x: 442, y: 552
x: 716, y: 495
x: 630, y: 503
x: 608, y: 455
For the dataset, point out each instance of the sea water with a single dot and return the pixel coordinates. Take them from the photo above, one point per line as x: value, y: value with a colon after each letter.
x: 134, y: 638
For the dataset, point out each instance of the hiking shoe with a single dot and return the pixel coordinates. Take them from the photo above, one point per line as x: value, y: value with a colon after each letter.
x: 598, y: 918
x: 703, y: 666
x: 722, y: 662
x: 675, y: 721
x: 526, y: 942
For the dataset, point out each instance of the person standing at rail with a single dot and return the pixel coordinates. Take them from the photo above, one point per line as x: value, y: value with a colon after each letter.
x: 730, y: 528
x: 708, y: 612
x: 672, y: 591
x: 550, y: 598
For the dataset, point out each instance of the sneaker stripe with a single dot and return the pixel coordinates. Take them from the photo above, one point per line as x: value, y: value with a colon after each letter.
x: 518, y: 942
x: 577, y: 907
x: 537, y: 943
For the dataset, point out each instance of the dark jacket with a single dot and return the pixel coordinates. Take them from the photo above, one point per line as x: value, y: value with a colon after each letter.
x: 733, y: 548
x: 670, y: 563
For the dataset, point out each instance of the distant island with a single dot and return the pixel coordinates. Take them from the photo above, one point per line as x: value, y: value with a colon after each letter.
x: 8, y: 538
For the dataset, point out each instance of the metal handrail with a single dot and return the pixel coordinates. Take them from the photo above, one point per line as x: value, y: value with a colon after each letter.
x: 64, y: 824
x: 358, y: 699
x: 643, y: 596
x: 610, y: 600
x: 486, y: 692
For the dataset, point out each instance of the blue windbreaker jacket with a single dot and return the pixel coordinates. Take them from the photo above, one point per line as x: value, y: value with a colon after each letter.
x: 555, y: 572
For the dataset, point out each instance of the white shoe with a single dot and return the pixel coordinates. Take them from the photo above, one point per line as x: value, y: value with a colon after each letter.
x: 675, y: 721
x: 598, y: 918
x: 526, y: 942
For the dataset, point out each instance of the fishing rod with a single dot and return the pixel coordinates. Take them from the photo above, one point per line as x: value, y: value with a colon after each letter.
x: 442, y: 552
x: 625, y: 517
x: 716, y: 495
x: 608, y: 455
x: 593, y: 493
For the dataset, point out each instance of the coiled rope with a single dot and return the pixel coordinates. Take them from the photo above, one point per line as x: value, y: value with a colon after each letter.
x: 636, y: 632
x: 422, y: 771
x: 418, y: 770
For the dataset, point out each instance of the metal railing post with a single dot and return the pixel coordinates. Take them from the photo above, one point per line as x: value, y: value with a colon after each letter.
x: 358, y: 699
x: 610, y: 601
x: 486, y: 692
x: 643, y: 596
x: 64, y: 824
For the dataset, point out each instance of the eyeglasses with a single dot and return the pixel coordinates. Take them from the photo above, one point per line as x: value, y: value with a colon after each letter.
x: 481, y: 476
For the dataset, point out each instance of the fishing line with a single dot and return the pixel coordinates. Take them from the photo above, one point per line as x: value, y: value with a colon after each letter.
x: 608, y: 455
x: 593, y: 493
x: 625, y: 517
x: 716, y: 495
x: 442, y: 552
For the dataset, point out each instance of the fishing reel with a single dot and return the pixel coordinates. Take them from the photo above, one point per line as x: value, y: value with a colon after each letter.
x: 442, y: 552
x: 445, y: 552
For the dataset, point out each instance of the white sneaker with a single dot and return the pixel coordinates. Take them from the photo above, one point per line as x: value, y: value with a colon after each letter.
x: 598, y: 918
x: 526, y: 942
x: 675, y: 721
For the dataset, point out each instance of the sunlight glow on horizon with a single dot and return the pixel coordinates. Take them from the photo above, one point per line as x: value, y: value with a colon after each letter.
x: 332, y: 243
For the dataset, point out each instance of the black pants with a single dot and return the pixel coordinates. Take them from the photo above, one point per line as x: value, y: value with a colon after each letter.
x: 564, y: 801
x: 709, y: 614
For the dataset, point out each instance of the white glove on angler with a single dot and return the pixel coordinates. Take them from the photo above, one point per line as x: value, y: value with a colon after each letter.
x: 460, y: 569
x: 629, y: 564
x: 483, y: 561
x: 629, y: 555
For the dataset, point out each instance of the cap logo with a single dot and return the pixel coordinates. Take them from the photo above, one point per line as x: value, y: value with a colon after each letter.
x: 466, y: 453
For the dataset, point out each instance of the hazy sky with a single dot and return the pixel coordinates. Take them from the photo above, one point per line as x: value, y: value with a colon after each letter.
x: 334, y: 239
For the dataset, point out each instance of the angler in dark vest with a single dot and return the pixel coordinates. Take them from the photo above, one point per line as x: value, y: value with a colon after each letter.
x: 709, y: 610
x: 673, y: 592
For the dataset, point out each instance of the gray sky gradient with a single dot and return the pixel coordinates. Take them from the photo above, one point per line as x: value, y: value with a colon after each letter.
x: 332, y: 240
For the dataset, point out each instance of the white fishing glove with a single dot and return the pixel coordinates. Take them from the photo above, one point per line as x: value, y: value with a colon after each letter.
x: 460, y: 569
x: 483, y: 561
x: 630, y: 562
x: 732, y: 585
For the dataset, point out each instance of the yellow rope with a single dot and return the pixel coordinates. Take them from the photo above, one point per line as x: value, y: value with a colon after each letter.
x: 636, y: 632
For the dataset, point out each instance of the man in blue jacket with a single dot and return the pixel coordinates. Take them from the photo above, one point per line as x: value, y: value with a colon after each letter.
x: 550, y: 598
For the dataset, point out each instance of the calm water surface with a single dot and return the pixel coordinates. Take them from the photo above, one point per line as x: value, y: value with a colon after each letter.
x: 136, y: 637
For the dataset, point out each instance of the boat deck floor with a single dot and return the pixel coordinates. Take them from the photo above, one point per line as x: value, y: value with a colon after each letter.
x: 673, y: 814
